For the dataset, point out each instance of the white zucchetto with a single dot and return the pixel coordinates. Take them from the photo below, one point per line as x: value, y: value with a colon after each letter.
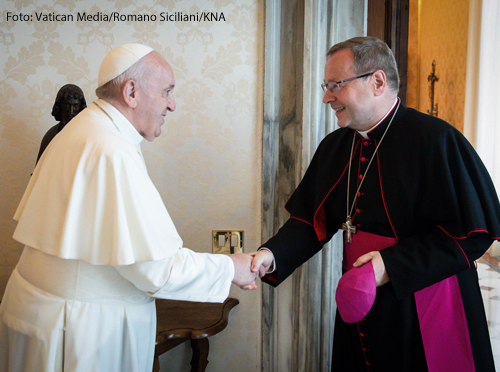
x: 119, y: 60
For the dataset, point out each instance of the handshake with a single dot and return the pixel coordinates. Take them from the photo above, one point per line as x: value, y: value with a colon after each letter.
x: 248, y: 266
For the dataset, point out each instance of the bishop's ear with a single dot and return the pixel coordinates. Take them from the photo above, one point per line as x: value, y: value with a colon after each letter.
x: 380, y: 80
x: 129, y: 93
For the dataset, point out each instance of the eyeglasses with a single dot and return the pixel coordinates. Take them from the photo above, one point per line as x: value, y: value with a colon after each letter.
x: 332, y: 85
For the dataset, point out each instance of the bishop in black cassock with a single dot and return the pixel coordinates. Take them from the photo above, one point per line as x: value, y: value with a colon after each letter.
x: 426, y: 202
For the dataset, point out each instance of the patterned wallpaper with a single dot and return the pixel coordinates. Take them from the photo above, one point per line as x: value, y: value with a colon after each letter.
x: 207, y: 162
x: 442, y: 36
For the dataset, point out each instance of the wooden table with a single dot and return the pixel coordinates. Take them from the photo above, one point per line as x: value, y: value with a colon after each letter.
x: 179, y: 321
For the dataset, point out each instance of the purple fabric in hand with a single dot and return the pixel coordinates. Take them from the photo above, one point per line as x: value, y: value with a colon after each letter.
x: 356, y: 293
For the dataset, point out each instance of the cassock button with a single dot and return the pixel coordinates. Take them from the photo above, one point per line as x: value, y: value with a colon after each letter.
x: 363, y: 159
x: 359, y: 193
x: 366, y: 143
x: 360, y: 176
x: 358, y: 210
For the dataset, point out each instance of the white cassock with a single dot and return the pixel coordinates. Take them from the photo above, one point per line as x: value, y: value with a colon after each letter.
x: 100, y: 245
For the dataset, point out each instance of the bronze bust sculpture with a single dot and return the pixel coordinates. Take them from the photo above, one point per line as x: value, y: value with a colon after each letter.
x: 69, y: 102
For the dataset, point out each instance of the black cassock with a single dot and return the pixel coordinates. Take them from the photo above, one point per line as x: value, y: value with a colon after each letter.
x: 427, y: 188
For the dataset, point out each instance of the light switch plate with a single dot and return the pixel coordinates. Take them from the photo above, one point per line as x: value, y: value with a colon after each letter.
x: 227, y: 241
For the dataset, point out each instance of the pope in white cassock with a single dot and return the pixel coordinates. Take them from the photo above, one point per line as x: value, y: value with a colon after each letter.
x: 99, y: 242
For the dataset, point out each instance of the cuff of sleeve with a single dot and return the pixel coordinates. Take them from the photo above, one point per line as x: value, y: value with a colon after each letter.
x: 230, y: 266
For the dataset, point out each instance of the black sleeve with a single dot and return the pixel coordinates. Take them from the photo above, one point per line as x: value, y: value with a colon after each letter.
x: 293, y: 245
x: 429, y: 257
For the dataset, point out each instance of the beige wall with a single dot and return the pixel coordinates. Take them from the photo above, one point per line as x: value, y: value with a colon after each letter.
x: 207, y: 162
x: 438, y: 31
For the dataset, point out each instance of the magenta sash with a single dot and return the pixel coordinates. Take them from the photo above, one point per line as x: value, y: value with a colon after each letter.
x: 441, y: 313
x: 362, y: 243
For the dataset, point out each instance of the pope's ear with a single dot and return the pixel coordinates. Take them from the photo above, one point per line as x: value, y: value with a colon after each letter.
x: 129, y: 93
x: 380, y: 81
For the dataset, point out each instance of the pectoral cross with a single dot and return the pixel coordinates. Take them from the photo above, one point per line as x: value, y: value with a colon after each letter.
x: 349, y: 229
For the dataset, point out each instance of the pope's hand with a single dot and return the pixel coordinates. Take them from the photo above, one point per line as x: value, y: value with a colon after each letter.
x: 243, y: 276
x: 381, y: 276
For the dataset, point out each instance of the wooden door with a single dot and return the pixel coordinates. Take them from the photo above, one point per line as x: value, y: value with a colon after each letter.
x: 388, y: 21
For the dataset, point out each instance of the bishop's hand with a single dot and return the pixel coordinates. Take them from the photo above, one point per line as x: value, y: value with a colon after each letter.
x: 263, y: 262
x: 381, y: 276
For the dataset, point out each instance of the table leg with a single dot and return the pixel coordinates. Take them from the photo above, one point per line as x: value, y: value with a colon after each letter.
x: 156, y: 365
x: 199, y: 360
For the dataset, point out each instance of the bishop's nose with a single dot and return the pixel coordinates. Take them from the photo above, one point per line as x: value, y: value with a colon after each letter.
x: 329, y: 97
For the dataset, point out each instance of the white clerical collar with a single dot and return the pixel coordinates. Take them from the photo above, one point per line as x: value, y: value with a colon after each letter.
x: 121, y: 123
x: 364, y: 133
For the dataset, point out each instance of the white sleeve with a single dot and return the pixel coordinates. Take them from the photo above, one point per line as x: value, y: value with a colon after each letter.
x: 186, y: 276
